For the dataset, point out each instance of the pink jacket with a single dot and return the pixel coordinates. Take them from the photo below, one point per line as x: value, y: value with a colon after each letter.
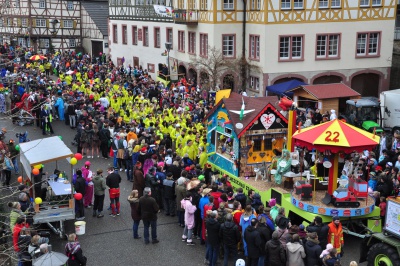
x: 189, y: 212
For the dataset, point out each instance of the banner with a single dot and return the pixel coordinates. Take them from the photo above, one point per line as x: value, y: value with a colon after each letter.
x: 173, y: 64
x: 164, y: 11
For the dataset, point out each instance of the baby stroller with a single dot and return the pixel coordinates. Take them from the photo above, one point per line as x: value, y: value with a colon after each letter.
x: 21, y: 114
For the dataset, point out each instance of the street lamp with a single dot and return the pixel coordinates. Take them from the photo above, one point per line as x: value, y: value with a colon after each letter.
x: 53, y: 25
x: 168, y: 46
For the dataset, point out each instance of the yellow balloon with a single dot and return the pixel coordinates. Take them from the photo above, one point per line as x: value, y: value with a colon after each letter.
x: 38, y: 166
x: 73, y: 161
x: 38, y: 200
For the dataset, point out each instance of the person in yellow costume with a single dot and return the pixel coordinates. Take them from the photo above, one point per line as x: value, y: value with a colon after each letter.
x: 203, y: 157
x: 179, y: 139
x: 190, y: 150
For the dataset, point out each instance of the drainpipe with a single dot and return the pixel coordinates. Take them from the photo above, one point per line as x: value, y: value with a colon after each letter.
x: 243, y: 70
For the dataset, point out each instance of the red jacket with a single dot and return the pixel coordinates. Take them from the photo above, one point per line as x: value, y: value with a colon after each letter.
x: 216, y: 196
x: 17, y: 230
x: 335, y: 236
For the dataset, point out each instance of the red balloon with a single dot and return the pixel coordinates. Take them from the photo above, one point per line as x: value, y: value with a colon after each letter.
x: 78, y: 196
x: 78, y: 156
x: 35, y: 171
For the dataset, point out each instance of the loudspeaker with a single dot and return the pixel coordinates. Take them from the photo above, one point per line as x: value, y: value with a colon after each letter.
x: 327, y: 199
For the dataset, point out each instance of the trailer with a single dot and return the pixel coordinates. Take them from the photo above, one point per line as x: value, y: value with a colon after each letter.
x: 58, y: 206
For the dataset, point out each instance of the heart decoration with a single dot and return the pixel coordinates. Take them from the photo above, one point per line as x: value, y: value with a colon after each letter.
x: 267, y: 120
x: 254, y: 158
x: 250, y: 153
x: 262, y: 154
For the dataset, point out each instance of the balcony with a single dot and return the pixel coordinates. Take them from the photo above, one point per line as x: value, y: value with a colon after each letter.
x: 187, y: 17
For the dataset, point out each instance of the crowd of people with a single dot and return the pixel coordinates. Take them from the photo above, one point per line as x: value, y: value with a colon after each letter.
x: 153, y: 135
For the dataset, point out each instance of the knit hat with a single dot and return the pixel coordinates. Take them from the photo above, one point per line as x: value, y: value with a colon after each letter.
x: 240, y: 262
x: 335, y: 218
x: 13, y: 204
x: 87, y: 163
x: 301, y: 227
x: 168, y: 160
x: 275, y: 235
x: 22, y: 187
x: 272, y: 202
x: 201, y: 177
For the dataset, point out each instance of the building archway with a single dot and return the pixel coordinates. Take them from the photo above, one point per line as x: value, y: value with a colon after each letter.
x: 285, y: 79
x: 367, y: 84
x: 181, y: 71
x: 228, y: 82
x: 204, y: 80
x: 327, y: 79
x: 192, y: 74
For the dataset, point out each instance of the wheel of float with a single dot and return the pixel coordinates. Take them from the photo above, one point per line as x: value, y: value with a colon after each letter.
x: 382, y: 254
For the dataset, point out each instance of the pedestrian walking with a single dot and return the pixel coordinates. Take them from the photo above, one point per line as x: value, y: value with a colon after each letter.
x: 133, y: 200
x: 112, y: 181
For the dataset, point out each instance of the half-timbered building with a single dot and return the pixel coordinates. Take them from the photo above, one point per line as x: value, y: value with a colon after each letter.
x: 52, y: 24
x: 315, y: 41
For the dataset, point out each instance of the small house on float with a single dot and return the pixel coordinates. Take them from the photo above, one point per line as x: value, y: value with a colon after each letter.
x: 243, y: 132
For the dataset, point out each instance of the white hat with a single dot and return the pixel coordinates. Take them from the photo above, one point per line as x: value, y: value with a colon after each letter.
x: 168, y: 160
x: 240, y: 262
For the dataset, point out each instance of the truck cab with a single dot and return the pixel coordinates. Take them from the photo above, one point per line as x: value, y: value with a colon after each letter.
x: 364, y: 113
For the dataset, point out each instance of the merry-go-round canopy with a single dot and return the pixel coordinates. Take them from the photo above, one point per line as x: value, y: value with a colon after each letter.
x: 335, y: 136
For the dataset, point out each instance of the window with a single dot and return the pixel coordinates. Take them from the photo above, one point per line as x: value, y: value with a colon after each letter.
x: 285, y: 4
x: 17, y: 3
x: 170, y: 36
x: 40, y: 23
x: 181, y: 41
x: 204, y: 44
x: 333, y: 3
x: 255, y: 83
x: 203, y: 5
x: 134, y: 35
x: 44, y: 43
x: 22, y: 42
x: 157, y: 37
x: 254, y: 47
x: 291, y: 48
x: 192, y: 4
x: 228, y: 45
x: 115, y: 34
x: 68, y: 24
x: 223, y: 147
x: 192, y: 43
x: 145, y: 36
x: 10, y: 22
x: 257, y: 145
x: 298, y: 4
x: 328, y: 46
x: 228, y: 4
x: 368, y: 44
x: 1, y: 25
x: 255, y: 4
x: 124, y: 34
x: 72, y: 43
x: 267, y: 144
x: 42, y: 4
x: 70, y: 5
x: 24, y: 22
x: 368, y: 3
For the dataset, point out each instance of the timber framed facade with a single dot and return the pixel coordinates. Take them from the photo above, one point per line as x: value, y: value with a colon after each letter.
x: 316, y: 41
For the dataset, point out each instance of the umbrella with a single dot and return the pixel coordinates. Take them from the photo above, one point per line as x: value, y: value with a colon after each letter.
x: 51, y: 259
x: 37, y: 57
x: 333, y: 137
x: 69, y: 72
x: 192, y: 184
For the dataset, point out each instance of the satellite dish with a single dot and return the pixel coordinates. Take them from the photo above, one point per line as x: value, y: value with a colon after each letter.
x: 327, y: 164
x: 239, y: 125
x: 283, y: 164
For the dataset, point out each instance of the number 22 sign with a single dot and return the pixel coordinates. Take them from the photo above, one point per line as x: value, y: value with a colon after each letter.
x: 332, y: 136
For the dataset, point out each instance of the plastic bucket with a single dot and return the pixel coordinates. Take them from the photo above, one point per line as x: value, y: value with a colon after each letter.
x: 80, y: 228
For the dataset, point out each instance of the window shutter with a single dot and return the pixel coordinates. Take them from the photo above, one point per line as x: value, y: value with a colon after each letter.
x: 47, y: 23
x: 19, y: 22
x: 61, y: 24
x: 33, y: 24
x: 74, y: 22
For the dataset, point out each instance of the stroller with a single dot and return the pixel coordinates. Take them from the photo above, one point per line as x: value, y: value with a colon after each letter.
x: 21, y: 114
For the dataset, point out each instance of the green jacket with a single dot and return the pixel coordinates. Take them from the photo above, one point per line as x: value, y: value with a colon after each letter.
x: 14, y: 214
x: 99, y: 185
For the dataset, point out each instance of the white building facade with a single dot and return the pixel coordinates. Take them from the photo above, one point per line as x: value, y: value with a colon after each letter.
x: 315, y: 41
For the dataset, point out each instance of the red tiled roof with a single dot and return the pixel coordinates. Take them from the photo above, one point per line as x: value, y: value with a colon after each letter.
x: 234, y: 102
x: 329, y: 91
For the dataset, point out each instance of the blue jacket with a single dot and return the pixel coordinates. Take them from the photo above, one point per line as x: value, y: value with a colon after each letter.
x: 203, y: 201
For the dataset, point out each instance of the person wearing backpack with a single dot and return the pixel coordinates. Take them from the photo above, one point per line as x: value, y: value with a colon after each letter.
x: 245, y: 221
x: 275, y: 251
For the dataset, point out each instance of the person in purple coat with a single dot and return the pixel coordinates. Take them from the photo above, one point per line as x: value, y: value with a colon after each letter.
x: 190, y: 209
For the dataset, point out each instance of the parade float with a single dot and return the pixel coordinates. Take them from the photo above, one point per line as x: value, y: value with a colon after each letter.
x: 250, y: 135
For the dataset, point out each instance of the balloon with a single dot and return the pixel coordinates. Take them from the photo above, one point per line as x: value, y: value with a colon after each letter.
x: 208, y: 144
x: 38, y: 200
x: 19, y: 179
x: 78, y: 156
x: 17, y: 148
x: 38, y: 166
x: 60, y: 137
x: 35, y: 171
x: 73, y: 161
x: 78, y: 196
